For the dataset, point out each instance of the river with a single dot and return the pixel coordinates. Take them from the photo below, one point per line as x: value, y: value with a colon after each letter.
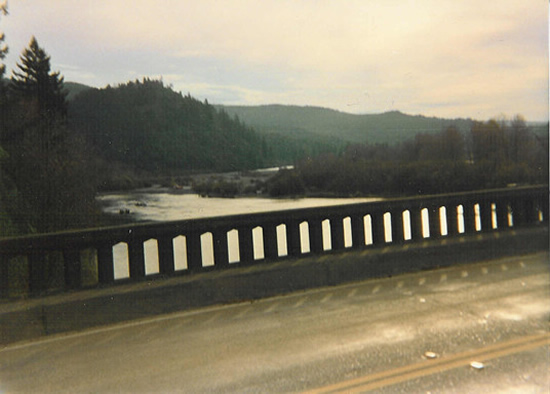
x: 162, y: 204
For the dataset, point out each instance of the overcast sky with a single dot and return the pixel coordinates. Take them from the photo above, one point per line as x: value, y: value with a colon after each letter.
x: 445, y: 58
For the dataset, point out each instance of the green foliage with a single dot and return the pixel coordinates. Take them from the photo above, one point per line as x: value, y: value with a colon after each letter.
x: 46, y: 183
x: 36, y: 84
x: 149, y: 126
x: 3, y: 47
x: 73, y: 89
x: 214, y: 187
x: 322, y: 124
x: 286, y: 183
x: 505, y: 153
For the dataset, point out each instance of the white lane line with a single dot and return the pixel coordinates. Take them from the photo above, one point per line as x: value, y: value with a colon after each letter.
x: 443, y: 278
x: 376, y: 289
x: 484, y: 270
x: 504, y: 267
x: 421, y: 281
x: 464, y: 274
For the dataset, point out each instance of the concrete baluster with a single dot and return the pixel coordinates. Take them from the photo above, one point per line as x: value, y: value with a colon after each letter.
x: 337, y: 233
x: 357, y: 231
x: 166, y: 255
x: 137, y: 259
x: 469, y: 217
x: 4, y: 275
x: 519, y: 214
x: 398, y: 235
x: 221, y: 250
x: 378, y: 228
x: 294, y: 245
x: 434, y: 222
x: 271, y: 248
x: 315, y: 236
x: 543, y: 205
x: 416, y: 224
x: 105, y: 266
x: 37, y: 274
x: 73, y: 269
x: 486, y: 214
x: 531, y: 211
x: 452, y: 219
x: 246, y: 244
x: 503, y: 208
x: 194, y: 252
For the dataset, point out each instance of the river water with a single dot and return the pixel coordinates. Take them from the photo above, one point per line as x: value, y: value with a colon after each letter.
x: 162, y: 204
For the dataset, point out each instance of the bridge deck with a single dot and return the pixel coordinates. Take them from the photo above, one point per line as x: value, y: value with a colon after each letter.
x: 373, y: 334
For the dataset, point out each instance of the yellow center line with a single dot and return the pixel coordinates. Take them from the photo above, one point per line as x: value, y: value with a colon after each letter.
x: 428, y: 367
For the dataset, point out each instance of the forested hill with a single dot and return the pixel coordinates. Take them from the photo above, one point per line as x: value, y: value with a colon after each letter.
x: 390, y: 127
x: 149, y: 126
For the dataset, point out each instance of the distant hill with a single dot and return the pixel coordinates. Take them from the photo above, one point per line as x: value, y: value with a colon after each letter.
x: 74, y: 89
x: 390, y: 127
x: 146, y: 125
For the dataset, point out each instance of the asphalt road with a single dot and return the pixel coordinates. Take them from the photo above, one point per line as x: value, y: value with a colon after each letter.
x: 414, y: 333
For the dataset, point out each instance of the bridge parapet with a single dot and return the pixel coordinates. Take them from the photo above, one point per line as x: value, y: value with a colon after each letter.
x: 39, y: 264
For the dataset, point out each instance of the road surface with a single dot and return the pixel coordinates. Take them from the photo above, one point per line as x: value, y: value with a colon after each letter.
x: 471, y: 328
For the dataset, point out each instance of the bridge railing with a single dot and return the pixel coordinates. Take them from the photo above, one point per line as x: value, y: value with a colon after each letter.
x: 39, y: 264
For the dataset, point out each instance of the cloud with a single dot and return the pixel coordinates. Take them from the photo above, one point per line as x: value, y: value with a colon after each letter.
x: 406, y: 54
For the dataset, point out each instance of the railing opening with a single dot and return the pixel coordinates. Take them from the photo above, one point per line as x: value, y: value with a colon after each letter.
x: 305, y: 246
x: 477, y: 213
x: 367, y: 222
x: 180, y: 253
x: 348, y: 241
x: 387, y: 228
x: 406, y: 219
x: 121, y: 260
x: 460, y: 218
x: 258, y: 241
x: 443, y: 221
x: 282, y: 247
x: 233, y: 246
x: 425, y: 218
x: 327, y: 234
x: 207, y: 249
x: 151, y: 255
x: 494, y: 220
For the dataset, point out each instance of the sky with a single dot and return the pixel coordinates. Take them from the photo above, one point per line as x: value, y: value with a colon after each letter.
x: 445, y: 58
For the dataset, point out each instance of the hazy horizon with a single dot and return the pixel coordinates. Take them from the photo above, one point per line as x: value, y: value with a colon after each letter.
x: 442, y: 59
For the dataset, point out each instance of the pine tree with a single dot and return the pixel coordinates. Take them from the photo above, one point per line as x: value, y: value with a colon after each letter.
x: 3, y: 47
x: 45, y: 160
x: 35, y: 82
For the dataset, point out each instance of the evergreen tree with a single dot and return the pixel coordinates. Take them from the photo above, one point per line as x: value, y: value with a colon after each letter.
x: 45, y: 160
x: 3, y: 47
x: 34, y: 81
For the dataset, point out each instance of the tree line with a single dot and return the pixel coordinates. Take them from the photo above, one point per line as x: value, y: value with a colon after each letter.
x: 493, y: 154
x: 44, y: 170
